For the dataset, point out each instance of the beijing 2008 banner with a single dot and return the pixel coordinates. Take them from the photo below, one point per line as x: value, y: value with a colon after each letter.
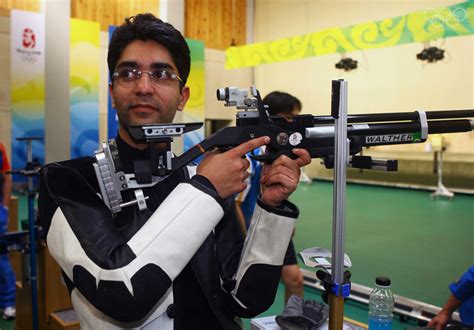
x: 84, y: 87
x: 27, y: 84
x: 194, y: 111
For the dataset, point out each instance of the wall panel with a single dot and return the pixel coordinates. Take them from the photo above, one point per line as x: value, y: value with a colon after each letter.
x: 106, y: 12
x: 218, y: 77
x: 111, y: 12
x: 29, y: 5
x: 218, y: 23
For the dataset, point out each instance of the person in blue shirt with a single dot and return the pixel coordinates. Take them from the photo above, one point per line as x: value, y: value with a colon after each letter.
x: 462, y: 298
x: 287, y: 106
x: 7, y: 276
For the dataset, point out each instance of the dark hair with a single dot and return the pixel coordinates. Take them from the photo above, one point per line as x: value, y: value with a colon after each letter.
x: 147, y: 27
x: 281, y: 103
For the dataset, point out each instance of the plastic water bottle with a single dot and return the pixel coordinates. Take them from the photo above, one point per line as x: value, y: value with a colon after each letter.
x: 381, y: 305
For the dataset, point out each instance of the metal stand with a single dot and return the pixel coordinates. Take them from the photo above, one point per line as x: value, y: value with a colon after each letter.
x: 30, y: 171
x: 441, y: 190
x: 335, y: 279
x: 341, y: 154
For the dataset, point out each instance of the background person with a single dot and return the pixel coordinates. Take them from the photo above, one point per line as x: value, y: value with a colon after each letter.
x: 7, y: 276
x: 287, y: 106
x: 462, y: 298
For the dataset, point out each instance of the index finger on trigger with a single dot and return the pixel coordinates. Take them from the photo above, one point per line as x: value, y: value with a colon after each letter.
x: 248, y: 146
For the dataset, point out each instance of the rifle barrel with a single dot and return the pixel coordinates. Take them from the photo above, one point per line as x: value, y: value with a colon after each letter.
x: 396, y: 116
x: 434, y: 127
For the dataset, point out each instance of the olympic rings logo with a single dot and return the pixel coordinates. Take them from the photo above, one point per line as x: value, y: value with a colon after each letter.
x: 440, y: 16
x: 30, y: 58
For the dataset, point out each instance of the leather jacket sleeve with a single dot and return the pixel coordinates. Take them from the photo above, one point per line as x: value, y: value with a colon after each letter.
x: 251, y: 277
x: 123, y: 278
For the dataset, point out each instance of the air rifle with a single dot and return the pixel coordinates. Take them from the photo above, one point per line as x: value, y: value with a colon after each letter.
x: 313, y: 133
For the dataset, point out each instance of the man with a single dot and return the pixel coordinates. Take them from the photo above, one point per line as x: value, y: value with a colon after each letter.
x: 182, y: 263
x: 287, y: 106
x: 7, y: 276
x: 462, y: 299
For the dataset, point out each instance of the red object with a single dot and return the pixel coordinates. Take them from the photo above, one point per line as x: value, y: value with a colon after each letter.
x: 29, y: 38
x: 4, y: 164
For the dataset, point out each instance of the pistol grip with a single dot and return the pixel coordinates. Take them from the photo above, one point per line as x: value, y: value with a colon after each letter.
x: 271, y: 156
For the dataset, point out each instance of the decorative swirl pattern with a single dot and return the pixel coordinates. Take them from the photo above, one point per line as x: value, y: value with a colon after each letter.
x: 470, y: 16
x: 290, y: 48
x: 421, y: 29
x: 194, y: 111
x: 84, y: 87
x: 365, y: 35
x: 385, y: 33
x: 420, y: 26
x: 330, y: 41
x: 260, y: 53
x: 197, y: 87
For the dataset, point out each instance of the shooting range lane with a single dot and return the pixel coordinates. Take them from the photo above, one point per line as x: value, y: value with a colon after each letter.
x: 426, y: 245
x: 422, y: 245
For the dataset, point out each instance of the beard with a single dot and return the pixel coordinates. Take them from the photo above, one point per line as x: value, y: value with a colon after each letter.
x: 130, y: 117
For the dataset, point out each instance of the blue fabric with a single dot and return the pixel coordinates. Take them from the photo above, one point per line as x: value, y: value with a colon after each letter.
x: 1, y: 177
x: 7, y: 276
x: 248, y: 205
x: 3, y: 219
x: 464, y: 291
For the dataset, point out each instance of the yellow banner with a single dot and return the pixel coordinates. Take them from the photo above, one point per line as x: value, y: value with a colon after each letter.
x: 420, y: 26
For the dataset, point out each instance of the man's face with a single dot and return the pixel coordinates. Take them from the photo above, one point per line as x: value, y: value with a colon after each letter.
x: 289, y: 117
x: 144, y: 101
